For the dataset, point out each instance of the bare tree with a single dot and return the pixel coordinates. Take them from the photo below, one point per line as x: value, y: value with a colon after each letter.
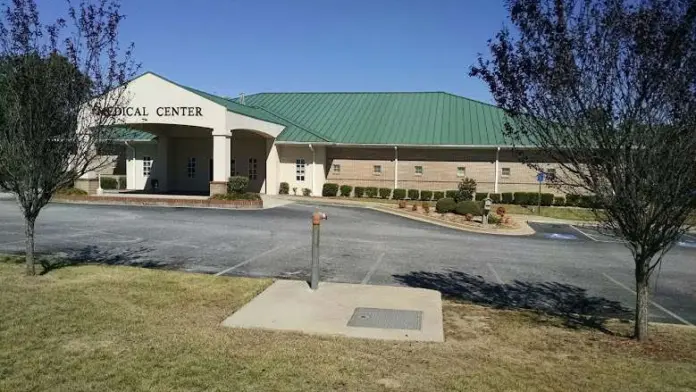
x: 57, y: 82
x: 607, y: 88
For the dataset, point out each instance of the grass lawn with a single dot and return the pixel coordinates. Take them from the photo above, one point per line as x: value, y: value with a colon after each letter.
x: 103, y: 328
x: 569, y: 213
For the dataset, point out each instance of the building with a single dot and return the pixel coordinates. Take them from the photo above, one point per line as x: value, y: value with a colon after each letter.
x: 178, y: 139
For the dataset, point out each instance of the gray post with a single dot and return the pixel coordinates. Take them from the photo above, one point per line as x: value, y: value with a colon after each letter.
x: 539, y: 200
x: 314, y: 282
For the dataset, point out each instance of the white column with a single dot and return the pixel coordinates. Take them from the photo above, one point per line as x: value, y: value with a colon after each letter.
x: 160, y: 164
x: 314, y: 190
x: 497, y: 170
x: 222, y: 154
x: 396, y: 167
x: 272, y: 162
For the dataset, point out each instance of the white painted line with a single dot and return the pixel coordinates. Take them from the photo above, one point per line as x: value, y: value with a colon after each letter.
x: 11, y: 242
x: 591, y: 237
x: 372, y: 270
x: 662, y: 308
x: 495, y: 273
x: 247, y: 261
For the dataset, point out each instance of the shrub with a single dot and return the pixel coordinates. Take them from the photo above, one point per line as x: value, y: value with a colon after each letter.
x: 108, y: 183
x: 500, y: 211
x: 415, y: 207
x: 284, y: 188
x: 558, y: 201
x: 426, y: 206
x: 532, y: 198
x: 494, y: 219
x: 329, y: 189
x: 587, y: 201
x: 359, y: 191
x: 384, y: 193
x: 572, y: 200
x: 122, y: 183
x: 426, y: 195
x: 451, y: 194
x: 468, y: 207
x: 521, y: 198
x: 507, y: 198
x: 481, y: 196
x: 413, y: 194
x: 371, y: 191
x: 495, y: 197
x: 547, y: 199
x: 437, y: 195
x: 294, y: 190
x: 71, y: 192
x: 346, y: 190
x: 445, y: 205
x: 237, y: 184
x: 402, y: 203
x: 237, y: 196
x: 306, y: 192
x: 399, y: 194
x: 467, y: 188
x: 468, y: 217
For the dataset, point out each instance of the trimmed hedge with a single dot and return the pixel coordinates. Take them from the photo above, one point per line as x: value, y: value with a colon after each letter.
x: 284, y: 188
x: 346, y: 190
x: 359, y: 191
x: 329, y: 189
x: 547, y: 199
x: 572, y: 200
x: 426, y: 195
x: 451, y: 194
x: 371, y: 191
x: 445, y: 205
x: 480, y: 196
x: 108, y: 183
x: 399, y: 194
x: 558, y: 201
x: 306, y: 192
x: 468, y: 207
x: 507, y: 198
x: 237, y: 184
x: 413, y: 194
x: 521, y: 198
x: 532, y: 198
x: 495, y: 197
x: 587, y: 201
x: 437, y: 195
x: 384, y: 193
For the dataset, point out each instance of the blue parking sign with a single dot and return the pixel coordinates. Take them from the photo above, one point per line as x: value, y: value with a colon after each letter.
x: 541, y: 177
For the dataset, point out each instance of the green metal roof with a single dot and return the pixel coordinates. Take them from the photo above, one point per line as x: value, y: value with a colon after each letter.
x: 121, y: 134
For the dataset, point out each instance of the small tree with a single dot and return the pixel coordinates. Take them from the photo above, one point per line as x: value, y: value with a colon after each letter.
x: 467, y: 188
x: 608, y: 90
x: 57, y: 83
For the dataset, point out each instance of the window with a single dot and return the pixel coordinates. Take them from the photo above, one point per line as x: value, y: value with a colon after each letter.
x: 550, y: 174
x: 336, y: 169
x: 300, y: 170
x: 377, y: 170
x: 233, y: 167
x: 147, y: 166
x: 191, y: 168
x: 252, y: 168
x: 461, y: 171
x: 419, y: 170
x: 505, y: 172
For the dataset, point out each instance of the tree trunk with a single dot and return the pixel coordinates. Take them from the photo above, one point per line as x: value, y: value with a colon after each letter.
x: 29, y: 251
x: 641, y: 326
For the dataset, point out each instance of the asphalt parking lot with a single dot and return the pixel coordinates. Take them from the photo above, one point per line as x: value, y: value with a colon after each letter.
x: 561, y: 268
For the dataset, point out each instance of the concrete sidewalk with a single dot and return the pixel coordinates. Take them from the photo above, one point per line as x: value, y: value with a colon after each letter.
x: 353, y: 310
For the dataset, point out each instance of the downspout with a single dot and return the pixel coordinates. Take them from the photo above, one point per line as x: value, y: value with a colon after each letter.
x: 396, y: 167
x: 497, y: 170
x: 313, y: 157
x: 133, y: 168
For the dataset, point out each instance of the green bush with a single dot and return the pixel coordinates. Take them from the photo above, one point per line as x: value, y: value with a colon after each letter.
x: 445, y: 205
x: 122, y: 183
x: 521, y: 198
x: 587, y: 201
x: 284, y: 188
x: 236, y: 196
x: 547, y: 199
x: 399, y: 194
x: 108, y: 183
x: 437, y: 195
x: 384, y: 193
x: 494, y: 219
x: 329, y: 189
x: 495, y: 197
x: 237, y: 184
x: 71, y: 192
x: 346, y: 190
x: 451, y: 194
x: 426, y: 195
x: 359, y: 191
x: 468, y: 207
x: 466, y: 190
x: 507, y: 198
x: 572, y: 200
x: 532, y: 198
x: 413, y: 194
x: 306, y: 192
x: 481, y: 196
x: 371, y: 191
x: 558, y: 201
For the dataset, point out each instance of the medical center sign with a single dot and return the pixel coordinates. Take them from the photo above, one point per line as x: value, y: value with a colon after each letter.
x: 143, y: 111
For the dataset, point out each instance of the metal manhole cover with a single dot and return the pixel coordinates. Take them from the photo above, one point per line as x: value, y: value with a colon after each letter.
x: 386, y: 318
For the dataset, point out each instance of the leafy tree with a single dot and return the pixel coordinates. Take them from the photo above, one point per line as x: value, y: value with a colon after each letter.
x: 54, y: 80
x: 466, y: 190
x: 607, y: 88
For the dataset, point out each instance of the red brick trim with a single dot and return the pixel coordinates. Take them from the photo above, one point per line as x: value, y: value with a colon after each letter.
x: 140, y: 201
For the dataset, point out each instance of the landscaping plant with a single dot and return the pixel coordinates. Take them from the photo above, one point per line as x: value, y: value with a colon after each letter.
x: 399, y: 194
x: 329, y: 189
x: 284, y: 188
x: 467, y: 188
x: 346, y: 190
x: 426, y: 195
x: 384, y: 193
x: 445, y: 205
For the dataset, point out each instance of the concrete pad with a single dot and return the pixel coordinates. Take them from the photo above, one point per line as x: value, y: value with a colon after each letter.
x: 290, y: 305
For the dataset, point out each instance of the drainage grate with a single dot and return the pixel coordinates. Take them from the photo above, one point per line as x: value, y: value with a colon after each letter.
x: 386, y: 318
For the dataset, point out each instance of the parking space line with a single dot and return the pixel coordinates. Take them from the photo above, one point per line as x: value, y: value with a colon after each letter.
x: 592, y: 237
x: 249, y: 260
x: 11, y: 242
x: 495, y: 273
x: 662, y: 308
x: 373, y: 269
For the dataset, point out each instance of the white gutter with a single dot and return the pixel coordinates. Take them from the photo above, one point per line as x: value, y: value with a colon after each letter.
x: 313, y: 156
x: 497, y: 170
x: 396, y: 167
x: 133, y: 170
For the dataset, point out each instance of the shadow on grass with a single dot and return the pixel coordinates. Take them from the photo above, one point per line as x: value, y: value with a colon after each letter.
x: 570, y: 303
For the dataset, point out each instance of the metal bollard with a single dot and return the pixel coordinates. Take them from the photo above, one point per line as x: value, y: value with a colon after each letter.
x: 316, y: 224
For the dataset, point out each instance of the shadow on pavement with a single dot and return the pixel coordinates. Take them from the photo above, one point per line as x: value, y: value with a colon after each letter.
x: 570, y: 303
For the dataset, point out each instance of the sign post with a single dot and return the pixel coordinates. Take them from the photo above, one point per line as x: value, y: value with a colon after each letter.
x: 487, y: 203
x: 316, y: 224
x: 540, y: 179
